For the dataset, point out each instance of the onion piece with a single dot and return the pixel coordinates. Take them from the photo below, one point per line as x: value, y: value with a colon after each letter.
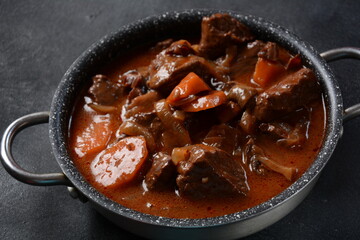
x: 134, y: 129
x: 102, y: 108
x: 254, y: 156
x: 171, y: 123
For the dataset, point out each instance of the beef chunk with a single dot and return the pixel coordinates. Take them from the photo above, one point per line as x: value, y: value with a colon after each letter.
x: 277, y: 129
x: 226, y: 61
x: 270, y: 52
x: 104, y: 91
x: 289, y: 135
x: 293, y: 92
x: 228, y: 111
x: 210, y: 172
x: 170, y: 66
x: 241, y: 94
x: 134, y: 82
x: 223, y: 137
x: 275, y: 53
x: 162, y: 173
x: 180, y: 48
x: 251, y: 50
x: 218, y: 32
x: 131, y: 79
x: 285, y: 134
x: 199, y: 123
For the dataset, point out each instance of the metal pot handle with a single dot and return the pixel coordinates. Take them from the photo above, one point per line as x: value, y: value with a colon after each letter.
x: 48, y: 179
x: 341, y: 53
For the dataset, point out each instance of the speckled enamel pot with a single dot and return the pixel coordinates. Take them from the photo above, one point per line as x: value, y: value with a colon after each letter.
x: 176, y: 25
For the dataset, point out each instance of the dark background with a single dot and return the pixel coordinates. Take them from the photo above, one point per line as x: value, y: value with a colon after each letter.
x: 40, y: 39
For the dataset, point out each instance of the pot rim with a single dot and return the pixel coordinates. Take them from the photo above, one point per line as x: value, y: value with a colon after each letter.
x: 64, y: 98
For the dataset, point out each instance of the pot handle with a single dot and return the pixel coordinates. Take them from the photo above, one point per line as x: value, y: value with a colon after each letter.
x: 48, y: 179
x: 341, y: 53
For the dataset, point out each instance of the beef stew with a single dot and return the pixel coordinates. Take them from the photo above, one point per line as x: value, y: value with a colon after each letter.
x: 240, y: 120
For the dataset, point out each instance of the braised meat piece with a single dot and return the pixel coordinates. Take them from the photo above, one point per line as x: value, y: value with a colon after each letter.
x: 218, y: 32
x: 223, y: 137
x: 131, y: 79
x: 174, y: 63
x: 230, y: 55
x: 241, y: 94
x: 251, y: 50
x: 210, y: 172
x: 293, y: 92
x: 228, y: 111
x: 270, y: 52
x: 275, y: 53
x: 180, y: 48
x: 276, y: 129
x: 104, y: 91
x: 289, y: 135
x: 162, y: 173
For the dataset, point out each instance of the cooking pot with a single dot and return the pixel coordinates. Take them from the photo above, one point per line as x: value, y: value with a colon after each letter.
x: 150, y: 30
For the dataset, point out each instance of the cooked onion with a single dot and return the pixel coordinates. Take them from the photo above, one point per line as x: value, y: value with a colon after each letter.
x: 102, y: 108
x: 171, y: 123
x: 134, y: 129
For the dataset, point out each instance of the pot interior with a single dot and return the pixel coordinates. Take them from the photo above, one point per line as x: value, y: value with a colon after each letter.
x: 176, y: 25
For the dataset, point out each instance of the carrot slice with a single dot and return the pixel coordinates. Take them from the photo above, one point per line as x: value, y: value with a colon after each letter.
x: 266, y: 72
x: 120, y: 163
x: 189, y: 85
x: 213, y: 99
x: 94, y: 136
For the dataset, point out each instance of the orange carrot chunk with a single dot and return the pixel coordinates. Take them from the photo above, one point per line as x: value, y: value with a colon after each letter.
x: 189, y: 85
x: 120, y: 163
x: 214, y: 99
x: 266, y: 72
x: 94, y: 136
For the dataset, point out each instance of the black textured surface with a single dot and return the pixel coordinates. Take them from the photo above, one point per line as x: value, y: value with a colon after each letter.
x: 39, y: 40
